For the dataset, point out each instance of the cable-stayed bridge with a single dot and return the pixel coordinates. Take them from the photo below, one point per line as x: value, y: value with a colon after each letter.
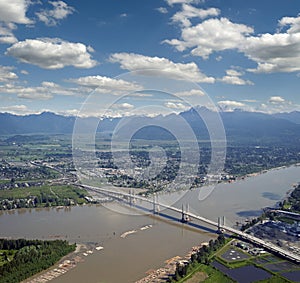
x: 186, y: 216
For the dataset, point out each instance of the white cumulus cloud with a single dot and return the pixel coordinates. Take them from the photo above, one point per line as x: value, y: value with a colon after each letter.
x: 292, y: 22
x: 15, y: 109
x: 14, y: 11
x: 123, y: 106
x: 6, y: 33
x: 11, y: 13
x: 232, y: 72
x: 51, y: 53
x: 210, y: 36
x: 156, y: 66
x: 276, y: 99
x: 234, y: 80
x: 172, y: 2
x: 60, y: 10
x: 162, y: 10
x: 46, y: 90
x: 278, y: 52
x: 233, y: 77
x: 32, y: 93
x: 189, y: 12
x: 106, y: 84
x: 176, y: 105
x: 196, y: 92
x: 231, y: 103
x: 6, y: 74
x: 273, y: 52
x: 24, y: 72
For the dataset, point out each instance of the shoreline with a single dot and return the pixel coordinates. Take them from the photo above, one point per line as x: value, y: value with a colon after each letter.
x: 159, y: 275
x: 59, y: 268
x: 255, y: 174
x: 70, y: 261
x: 65, y: 264
x: 239, y: 178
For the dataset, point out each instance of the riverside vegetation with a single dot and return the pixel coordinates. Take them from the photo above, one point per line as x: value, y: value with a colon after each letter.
x: 197, y: 260
x: 38, y: 171
x: 20, y: 259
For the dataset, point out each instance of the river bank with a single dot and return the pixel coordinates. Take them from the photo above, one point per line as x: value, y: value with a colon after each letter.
x: 146, y: 249
x: 65, y: 264
x: 160, y: 275
x: 239, y: 178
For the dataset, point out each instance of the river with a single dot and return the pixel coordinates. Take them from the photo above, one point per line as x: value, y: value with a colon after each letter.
x: 126, y: 259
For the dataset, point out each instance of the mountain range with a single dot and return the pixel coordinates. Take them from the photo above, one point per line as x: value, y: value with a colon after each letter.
x: 239, y: 125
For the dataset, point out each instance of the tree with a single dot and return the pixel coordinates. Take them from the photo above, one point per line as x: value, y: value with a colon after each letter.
x: 221, y: 239
x: 211, y: 244
x: 194, y: 257
x: 5, y: 256
x: 216, y: 244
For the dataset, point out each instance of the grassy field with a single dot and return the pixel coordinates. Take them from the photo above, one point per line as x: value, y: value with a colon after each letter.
x: 197, y: 277
x: 61, y: 192
x: 215, y: 275
x: 211, y: 275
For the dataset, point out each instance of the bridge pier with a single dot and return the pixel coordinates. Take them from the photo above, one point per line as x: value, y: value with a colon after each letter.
x: 184, y: 214
x: 132, y: 198
x: 221, y: 224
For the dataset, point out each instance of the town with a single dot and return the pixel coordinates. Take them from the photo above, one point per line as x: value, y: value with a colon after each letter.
x: 39, y: 171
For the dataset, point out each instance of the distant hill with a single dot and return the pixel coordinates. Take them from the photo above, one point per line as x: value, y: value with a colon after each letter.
x: 240, y: 126
x: 45, y: 123
x: 292, y: 116
x: 259, y: 127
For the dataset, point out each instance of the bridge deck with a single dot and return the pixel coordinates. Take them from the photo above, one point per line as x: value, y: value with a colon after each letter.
x: 267, y: 245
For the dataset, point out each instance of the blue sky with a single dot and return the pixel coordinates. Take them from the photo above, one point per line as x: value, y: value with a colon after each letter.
x: 219, y: 54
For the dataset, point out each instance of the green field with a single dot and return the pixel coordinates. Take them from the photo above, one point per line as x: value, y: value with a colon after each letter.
x: 213, y: 275
x: 46, y: 193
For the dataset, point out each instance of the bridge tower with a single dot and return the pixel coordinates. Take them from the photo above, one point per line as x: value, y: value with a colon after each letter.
x: 155, y: 204
x: 130, y: 197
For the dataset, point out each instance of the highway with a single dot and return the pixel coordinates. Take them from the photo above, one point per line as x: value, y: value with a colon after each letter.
x: 264, y: 244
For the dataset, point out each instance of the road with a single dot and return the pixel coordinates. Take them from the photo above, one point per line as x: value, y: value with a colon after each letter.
x: 264, y: 244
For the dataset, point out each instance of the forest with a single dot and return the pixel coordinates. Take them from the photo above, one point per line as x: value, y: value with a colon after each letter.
x: 21, y: 258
